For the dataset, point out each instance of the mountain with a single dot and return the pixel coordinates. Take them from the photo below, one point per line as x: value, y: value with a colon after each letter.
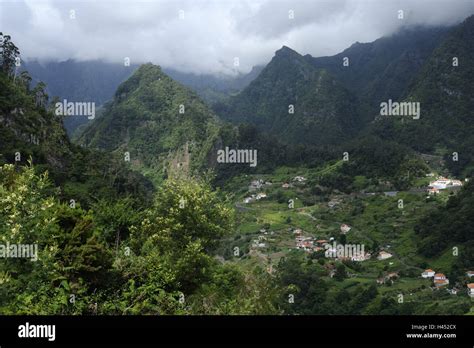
x: 96, y: 81
x: 156, y: 120
x: 383, y: 69
x: 347, y: 97
x: 444, y: 88
x: 324, y: 111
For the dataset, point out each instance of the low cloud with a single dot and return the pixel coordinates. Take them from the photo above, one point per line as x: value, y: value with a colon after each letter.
x: 205, y: 36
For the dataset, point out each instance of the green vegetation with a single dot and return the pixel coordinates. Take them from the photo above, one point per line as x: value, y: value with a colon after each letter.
x: 324, y: 111
x: 155, y: 120
x: 136, y: 224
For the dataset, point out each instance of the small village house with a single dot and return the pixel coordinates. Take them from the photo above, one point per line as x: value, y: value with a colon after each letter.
x: 428, y: 273
x: 383, y: 255
x: 440, y: 280
x: 470, y: 289
x: 345, y: 228
x: 299, y: 178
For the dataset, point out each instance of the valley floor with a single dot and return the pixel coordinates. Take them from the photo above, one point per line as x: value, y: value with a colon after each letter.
x: 279, y: 214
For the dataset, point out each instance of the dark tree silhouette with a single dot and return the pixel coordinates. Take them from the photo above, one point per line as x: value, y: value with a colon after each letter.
x: 8, y: 54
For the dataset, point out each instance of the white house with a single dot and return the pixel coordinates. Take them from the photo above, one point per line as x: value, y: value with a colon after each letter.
x: 261, y: 195
x: 470, y: 274
x: 428, y: 273
x: 285, y: 185
x: 333, y: 202
x: 470, y: 289
x: 441, y: 183
x: 247, y: 200
x: 299, y: 178
x: 383, y: 255
x: 345, y: 228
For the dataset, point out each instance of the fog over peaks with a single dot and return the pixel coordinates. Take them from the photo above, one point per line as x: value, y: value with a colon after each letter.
x: 210, y: 36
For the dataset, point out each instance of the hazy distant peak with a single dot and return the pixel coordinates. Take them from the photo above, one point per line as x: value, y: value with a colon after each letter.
x: 286, y: 51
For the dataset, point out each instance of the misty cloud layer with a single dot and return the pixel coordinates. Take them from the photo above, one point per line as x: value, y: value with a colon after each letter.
x: 212, y: 32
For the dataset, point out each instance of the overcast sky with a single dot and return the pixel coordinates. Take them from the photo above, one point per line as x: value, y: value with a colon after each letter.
x: 205, y: 36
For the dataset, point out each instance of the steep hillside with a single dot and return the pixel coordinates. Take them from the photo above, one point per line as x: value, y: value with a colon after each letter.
x: 444, y: 88
x: 382, y: 69
x: 96, y: 81
x: 324, y: 111
x: 160, y: 123
x: 29, y: 129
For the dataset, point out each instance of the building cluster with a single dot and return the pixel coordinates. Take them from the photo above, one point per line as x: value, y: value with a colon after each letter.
x: 440, y: 280
x: 308, y: 244
x: 256, y: 185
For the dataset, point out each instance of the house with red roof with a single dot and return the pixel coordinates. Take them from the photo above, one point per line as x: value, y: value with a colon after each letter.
x: 440, y: 280
x: 470, y: 289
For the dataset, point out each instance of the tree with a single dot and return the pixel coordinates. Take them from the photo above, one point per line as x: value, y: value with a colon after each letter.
x: 39, y: 93
x: 25, y: 80
x: 170, y: 249
x: 8, y: 54
x: 69, y: 258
